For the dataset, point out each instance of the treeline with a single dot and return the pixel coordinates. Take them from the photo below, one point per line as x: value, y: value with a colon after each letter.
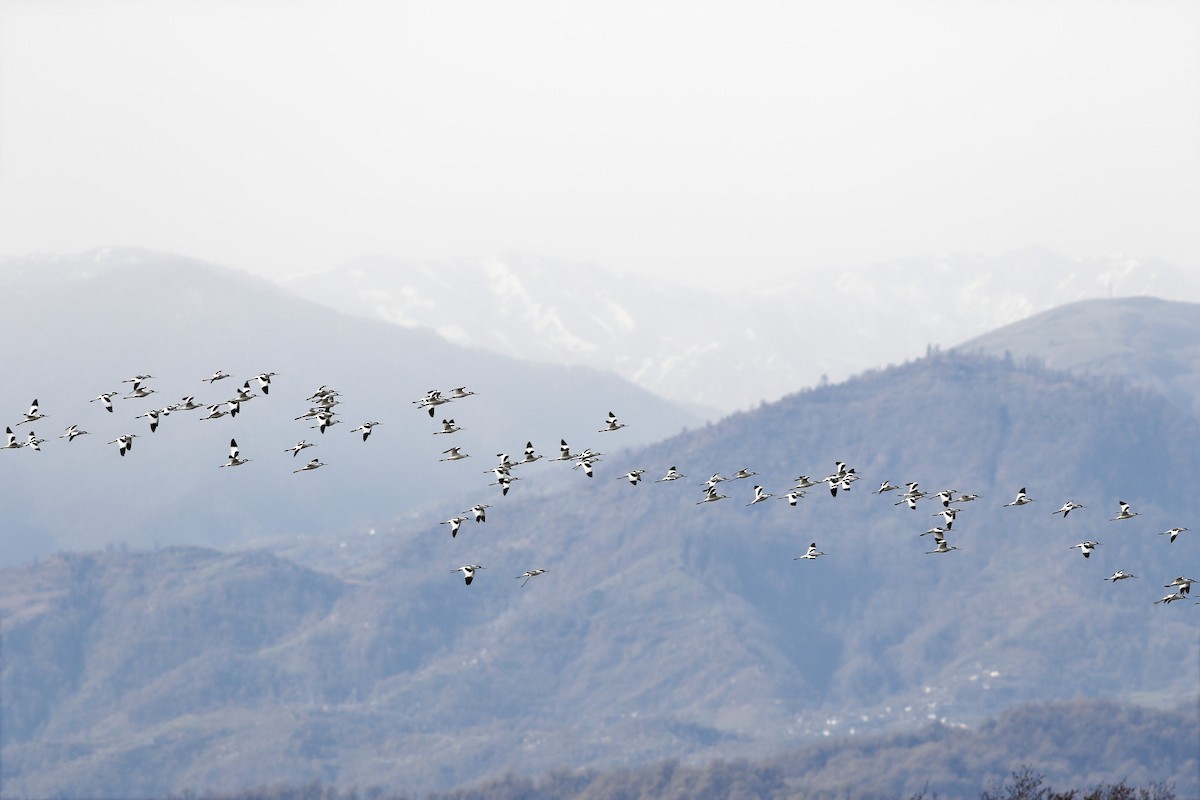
x: 722, y: 780
x: 1101, y: 750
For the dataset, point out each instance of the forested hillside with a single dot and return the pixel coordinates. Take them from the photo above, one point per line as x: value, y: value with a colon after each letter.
x: 1103, y: 750
x: 663, y: 628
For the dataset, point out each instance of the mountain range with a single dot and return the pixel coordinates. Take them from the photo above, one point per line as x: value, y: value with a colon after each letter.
x: 663, y: 627
x: 81, y: 325
x: 720, y: 352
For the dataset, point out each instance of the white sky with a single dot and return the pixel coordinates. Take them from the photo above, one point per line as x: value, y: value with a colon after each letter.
x: 719, y: 141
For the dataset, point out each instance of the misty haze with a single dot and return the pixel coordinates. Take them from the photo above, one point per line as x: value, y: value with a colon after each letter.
x: 537, y: 400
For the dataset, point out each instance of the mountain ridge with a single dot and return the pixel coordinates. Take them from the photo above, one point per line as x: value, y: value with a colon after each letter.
x: 767, y: 341
x: 665, y: 628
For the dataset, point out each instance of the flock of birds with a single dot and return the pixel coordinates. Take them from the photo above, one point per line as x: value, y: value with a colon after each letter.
x: 322, y: 415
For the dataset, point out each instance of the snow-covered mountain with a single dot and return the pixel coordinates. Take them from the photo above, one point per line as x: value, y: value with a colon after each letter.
x: 720, y: 352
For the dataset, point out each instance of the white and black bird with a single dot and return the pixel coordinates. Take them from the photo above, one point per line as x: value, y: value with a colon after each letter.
x: 1124, y: 513
x: 185, y: 404
x: 673, y: 474
x: 1184, y: 584
x: 940, y: 546
x: 366, y: 429
x: 886, y: 486
x: 531, y: 573
x: 243, y: 394
x: 217, y: 411
x: 454, y: 454
x: 33, y: 414
x: 71, y: 432
x: 1068, y: 507
x: 742, y: 474
x: 948, y: 515
x: 586, y: 463
x: 455, y: 523
x: 235, y: 455
x: 264, y: 381
x: 805, y: 482
x: 564, y: 451
x: 504, y: 480
x: 793, y: 497
x: 124, y: 443
x: 106, y: 399
x: 1173, y: 533
x: 136, y: 379
x: 139, y: 391
x: 33, y: 442
x: 325, y: 421
x: 946, y: 496
x: 298, y: 446
x: 634, y: 476
x: 311, y: 465
x: 760, y: 494
x: 1119, y: 575
x: 812, y: 553
x: 478, y: 512
x: 448, y: 426
x: 1171, y: 598
x: 711, y: 496
x: 11, y: 443
x: 612, y: 423
x: 530, y: 455
x: 468, y: 571
x: 459, y: 392
x: 432, y: 399
x: 1021, y: 499
x: 1085, y: 548
x: 152, y: 415
x: 219, y: 375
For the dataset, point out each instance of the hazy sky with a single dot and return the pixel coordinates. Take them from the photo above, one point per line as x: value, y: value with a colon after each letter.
x: 715, y: 141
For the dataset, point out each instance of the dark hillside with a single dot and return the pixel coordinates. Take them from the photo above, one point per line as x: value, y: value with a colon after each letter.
x: 663, y: 628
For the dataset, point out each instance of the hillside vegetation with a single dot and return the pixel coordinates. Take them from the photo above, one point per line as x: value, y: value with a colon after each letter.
x: 663, y: 628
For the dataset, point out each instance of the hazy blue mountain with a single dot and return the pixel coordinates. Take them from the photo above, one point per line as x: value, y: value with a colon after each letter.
x: 663, y: 628
x: 78, y: 326
x: 1150, y: 342
x: 729, y: 350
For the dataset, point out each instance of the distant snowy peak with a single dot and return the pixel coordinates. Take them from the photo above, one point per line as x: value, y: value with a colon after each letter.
x: 729, y: 352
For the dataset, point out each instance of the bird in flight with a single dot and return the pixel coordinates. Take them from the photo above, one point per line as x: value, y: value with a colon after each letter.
x: 235, y: 455
x: 1068, y: 507
x: 366, y: 429
x: 33, y: 414
x: 1085, y: 548
x: 672, y: 475
x: 468, y: 571
x: 71, y: 432
x: 1021, y: 499
x: 124, y: 443
x: 760, y: 494
x: 530, y: 573
x: 1124, y: 513
x: 298, y: 446
x: 105, y: 398
x: 612, y: 423
x: 812, y: 553
x: 1173, y: 533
